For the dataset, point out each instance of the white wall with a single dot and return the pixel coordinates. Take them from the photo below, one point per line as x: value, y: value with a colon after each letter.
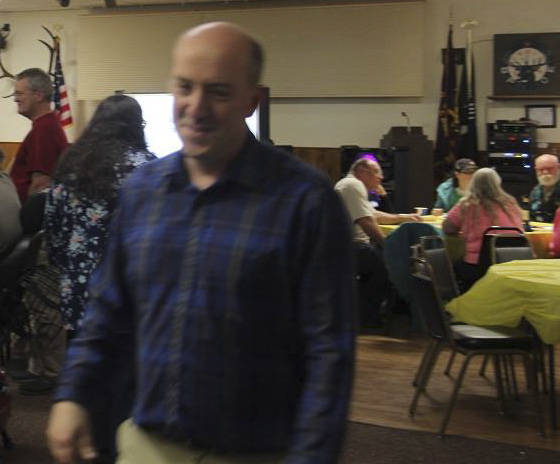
x: 325, y: 122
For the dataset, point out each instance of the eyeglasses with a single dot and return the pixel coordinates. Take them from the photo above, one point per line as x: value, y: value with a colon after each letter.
x: 545, y: 170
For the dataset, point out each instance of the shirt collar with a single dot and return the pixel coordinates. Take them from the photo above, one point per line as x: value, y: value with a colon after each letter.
x: 42, y: 117
x: 246, y: 168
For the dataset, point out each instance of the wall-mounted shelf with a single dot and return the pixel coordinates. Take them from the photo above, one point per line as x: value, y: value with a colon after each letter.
x: 523, y: 97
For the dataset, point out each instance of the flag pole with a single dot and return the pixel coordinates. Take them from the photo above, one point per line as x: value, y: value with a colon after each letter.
x: 469, y: 25
x: 467, y: 98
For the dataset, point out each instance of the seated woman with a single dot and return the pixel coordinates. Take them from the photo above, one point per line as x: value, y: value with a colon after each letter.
x: 79, y: 206
x: 454, y: 188
x: 485, y: 204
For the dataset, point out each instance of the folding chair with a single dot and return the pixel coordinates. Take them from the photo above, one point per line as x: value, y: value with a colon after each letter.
x: 468, y: 340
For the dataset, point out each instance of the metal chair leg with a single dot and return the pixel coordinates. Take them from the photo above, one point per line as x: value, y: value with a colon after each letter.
x: 482, y: 371
x: 499, y: 382
x: 453, y: 399
x: 511, y: 365
x: 425, y: 357
x: 534, y: 388
x: 423, y: 380
x: 450, y: 363
x: 541, y: 368
x: 508, y: 382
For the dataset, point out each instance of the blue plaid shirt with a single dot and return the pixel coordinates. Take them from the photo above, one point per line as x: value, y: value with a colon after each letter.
x: 239, y: 302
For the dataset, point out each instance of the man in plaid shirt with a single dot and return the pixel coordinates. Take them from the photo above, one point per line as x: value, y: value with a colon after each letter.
x: 229, y: 271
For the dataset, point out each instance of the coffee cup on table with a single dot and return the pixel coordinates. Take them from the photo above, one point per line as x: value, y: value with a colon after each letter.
x: 437, y: 211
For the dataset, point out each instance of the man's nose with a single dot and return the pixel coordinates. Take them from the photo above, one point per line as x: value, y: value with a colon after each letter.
x: 198, y: 104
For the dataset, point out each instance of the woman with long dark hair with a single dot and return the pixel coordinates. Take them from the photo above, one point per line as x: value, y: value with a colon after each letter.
x: 84, y: 193
x: 78, y: 210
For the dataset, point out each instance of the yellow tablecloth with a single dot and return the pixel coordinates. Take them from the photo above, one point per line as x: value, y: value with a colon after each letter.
x: 539, y: 237
x: 511, y: 291
x: 435, y: 221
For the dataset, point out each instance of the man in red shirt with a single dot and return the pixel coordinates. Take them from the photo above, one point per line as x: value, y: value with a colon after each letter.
x: 36, y: 158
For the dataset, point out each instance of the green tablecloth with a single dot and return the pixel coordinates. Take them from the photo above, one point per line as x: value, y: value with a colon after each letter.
x: 511, y: 291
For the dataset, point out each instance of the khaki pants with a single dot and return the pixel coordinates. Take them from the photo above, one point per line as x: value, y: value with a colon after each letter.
x: 137, y: 446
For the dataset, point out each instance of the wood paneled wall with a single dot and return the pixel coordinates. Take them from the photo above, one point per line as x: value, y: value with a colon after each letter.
x: 10, y: 149
x: 324, y: 159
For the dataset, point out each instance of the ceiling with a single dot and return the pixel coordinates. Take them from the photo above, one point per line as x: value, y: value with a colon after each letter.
x: 45, y: 5
x: 7, y: 6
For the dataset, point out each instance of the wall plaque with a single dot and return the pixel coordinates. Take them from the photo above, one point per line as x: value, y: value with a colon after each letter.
x: 524, y: 64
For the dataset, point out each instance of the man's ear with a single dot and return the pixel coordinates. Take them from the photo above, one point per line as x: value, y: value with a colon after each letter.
x: 39, y: 96
x: 255, y: 100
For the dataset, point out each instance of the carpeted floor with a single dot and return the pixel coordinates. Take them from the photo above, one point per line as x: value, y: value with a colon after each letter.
x: 365, y: 444
x: 370, y: 444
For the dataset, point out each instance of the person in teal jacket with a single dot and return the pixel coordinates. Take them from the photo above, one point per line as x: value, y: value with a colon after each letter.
x: 453, y: 189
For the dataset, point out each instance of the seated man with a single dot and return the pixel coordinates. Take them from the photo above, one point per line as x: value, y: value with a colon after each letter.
x: 10, y: 228
x: 545, y: 197
x: 366, y: 175
x: 453, y: 189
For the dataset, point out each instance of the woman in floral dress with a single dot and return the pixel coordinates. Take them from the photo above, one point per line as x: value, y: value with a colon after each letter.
x: 77, y: 214
x: 84, y: 192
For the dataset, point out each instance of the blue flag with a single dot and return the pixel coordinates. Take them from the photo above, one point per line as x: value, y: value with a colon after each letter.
x: 448, y: 114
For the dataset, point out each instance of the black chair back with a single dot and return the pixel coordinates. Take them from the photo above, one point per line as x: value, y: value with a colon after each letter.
x: 510, y: 247
x: 485, y: 258
x: 433, y: 250
x: 428, y: 301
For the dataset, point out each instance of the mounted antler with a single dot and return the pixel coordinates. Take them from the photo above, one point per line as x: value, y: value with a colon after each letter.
x: 5, y: 73
x: 52, y: 50
x: 4, y: 32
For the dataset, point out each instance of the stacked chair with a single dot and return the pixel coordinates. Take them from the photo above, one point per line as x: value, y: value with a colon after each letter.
x: 468, y: 340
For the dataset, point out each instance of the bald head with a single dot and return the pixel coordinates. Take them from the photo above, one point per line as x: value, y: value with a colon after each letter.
x: 546, y: 160
x: 214, y: 83
x: 231, y: 39
x: 368, y: 171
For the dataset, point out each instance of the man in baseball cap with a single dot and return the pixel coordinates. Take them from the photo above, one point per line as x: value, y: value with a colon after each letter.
x: 451, y: 191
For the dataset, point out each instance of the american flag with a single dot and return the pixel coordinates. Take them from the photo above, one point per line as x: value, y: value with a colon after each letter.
x: 60, y: 98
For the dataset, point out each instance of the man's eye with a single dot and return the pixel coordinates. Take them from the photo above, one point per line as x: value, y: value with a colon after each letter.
x: 220, y: 93
x: 183, y: 89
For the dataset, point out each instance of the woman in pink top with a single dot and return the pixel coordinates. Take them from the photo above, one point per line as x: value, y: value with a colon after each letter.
x: 486, y: 204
